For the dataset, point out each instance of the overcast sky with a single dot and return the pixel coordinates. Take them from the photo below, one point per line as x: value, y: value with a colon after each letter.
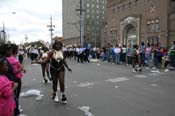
x: 31, y: 19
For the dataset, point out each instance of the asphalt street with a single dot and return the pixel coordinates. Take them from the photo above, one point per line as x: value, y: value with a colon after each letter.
x: 102, y: 89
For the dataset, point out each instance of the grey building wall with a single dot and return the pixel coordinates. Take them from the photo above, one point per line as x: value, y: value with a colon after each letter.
x: 70, y: 22
x: 93, y: 20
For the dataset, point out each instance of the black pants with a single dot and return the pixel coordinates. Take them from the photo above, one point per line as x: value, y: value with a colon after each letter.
x: 20, y: 57
x: 80, y: 58
x: 135, y: 61
x: 16, y: 111
x: 45, y: 68
x: 55, y: 75
x: 18, y: 89
x: 16, y: 97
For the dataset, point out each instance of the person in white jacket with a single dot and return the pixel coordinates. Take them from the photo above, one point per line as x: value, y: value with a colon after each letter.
x: 117, y: 51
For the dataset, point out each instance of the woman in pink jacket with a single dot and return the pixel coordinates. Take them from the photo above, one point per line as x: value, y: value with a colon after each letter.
x: 17, y: 67
x: 7, y: 102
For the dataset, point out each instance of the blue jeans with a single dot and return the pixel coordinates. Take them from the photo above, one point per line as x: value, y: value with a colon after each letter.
x: 172, y: 60
x: 104, y: 57
x: 108, y: 57
x: 113, y: 58
x: 156, y: 63
x: 118, y: 58
x: 147, y: 58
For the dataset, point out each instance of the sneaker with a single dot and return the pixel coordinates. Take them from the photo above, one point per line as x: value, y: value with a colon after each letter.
x: 22, y: 115
x: 20, y: 110
x: 171, y: 68
x: 134, y: 70
x: 166, y: 70
x: 53, y: 95
x: 45, y: 81
x: 139, y: 69
x: 56, y: 99
x: 64, y: 99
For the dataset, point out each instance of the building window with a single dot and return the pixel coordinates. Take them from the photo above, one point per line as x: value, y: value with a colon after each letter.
x: 148, y: 26
x: 92, y: 16
x: 93, y: 11
x: 92, y: 22
x: 113, y: 34
x: 87, y: 16
x: 97, y: 6
x: 97, y: 17
x: 87, y: 22
x: 153, y: 26
x: 93, y: 34
x: 97, y: 11
x: 87, y: 4
x: 157, y: 25
x: 92, y: 5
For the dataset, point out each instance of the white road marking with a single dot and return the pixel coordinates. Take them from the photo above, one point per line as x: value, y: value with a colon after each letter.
x: 115, y: 80
x: 116, y: 86
x: 85, y: 84
x: 154, y: 85
x: 141, y: 76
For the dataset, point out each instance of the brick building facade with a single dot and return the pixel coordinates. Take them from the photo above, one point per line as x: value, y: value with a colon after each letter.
x: 135, y: 21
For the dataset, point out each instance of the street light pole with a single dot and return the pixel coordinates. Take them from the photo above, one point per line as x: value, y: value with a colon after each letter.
x: 51, y: 29
x: 4, y: 33
x: 81, y: 23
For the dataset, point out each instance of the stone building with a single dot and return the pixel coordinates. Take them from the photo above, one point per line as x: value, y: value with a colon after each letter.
x: 135, y: 21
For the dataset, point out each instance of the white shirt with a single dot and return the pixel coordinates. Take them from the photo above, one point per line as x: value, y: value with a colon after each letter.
x: 35, y: 51
x: 123, y: 50
x: 117, y: 50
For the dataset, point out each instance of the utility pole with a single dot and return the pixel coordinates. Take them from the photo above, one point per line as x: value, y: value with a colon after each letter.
x: 81, y: 22
x: 51, y: 29
x: 4, y: 33
x: 26, y: 38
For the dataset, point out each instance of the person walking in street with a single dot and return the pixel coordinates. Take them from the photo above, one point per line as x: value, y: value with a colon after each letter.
x: 57, y: 70
x: 172, y: 55
x: 34, y: 53
x: 21, y: 55
x: 45, y: 66
x: 7, y: 101
x: 136, y: 59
